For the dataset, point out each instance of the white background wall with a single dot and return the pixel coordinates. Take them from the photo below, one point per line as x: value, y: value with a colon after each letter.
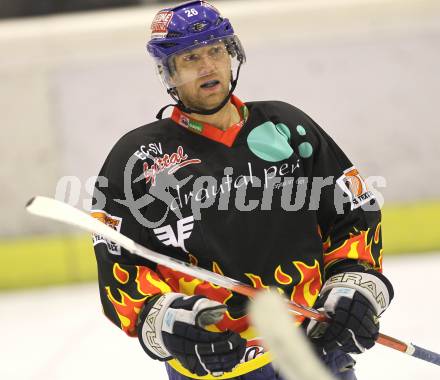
x: 367, y: 71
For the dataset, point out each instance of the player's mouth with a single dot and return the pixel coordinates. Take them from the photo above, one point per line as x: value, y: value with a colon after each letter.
x: 210, y: 85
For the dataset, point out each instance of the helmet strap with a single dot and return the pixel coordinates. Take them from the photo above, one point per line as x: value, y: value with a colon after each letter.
x: 179, y: 104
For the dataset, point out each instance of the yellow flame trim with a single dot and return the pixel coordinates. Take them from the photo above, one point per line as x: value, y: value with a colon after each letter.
x: 189, y: 287
x: 253, y: 278
x: 280, y: 271
x: 125, y: 322
x: 216, y: 268
x: 117, y: 267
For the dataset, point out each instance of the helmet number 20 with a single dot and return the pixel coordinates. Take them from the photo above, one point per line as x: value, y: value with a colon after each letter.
x: 191, y: 12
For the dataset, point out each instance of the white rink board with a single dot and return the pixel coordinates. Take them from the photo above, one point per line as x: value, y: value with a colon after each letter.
x: 60, y: 333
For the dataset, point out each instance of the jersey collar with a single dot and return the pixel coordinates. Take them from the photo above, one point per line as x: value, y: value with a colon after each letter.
x: 209, y: 131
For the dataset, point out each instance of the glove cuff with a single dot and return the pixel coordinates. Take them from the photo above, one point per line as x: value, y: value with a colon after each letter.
x: 150, y: 322
x: 369, y: 285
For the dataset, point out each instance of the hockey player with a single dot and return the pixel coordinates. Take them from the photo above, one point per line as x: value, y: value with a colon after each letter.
x: 256, y: 191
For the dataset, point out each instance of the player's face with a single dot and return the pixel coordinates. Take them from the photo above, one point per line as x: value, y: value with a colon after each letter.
x: 204, y: 74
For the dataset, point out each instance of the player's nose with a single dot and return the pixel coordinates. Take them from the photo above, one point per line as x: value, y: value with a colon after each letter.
x: 206, y: 65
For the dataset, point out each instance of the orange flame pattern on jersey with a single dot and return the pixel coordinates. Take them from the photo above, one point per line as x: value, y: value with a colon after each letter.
x: 121, y: 275
x: 358, y: 246
x: 127, y: 310
x: 149, y: 283
x: 216, y: 268
x: 377, y: 233
x: 193, y: 260
x: 281, y: 277
x: 307, y: 290
x: 183, y: 283
x: 377, y: 241
x: 325, y: 244
x: 128, y: 307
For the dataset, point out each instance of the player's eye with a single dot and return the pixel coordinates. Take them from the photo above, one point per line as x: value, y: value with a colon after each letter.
x: 191, y: 57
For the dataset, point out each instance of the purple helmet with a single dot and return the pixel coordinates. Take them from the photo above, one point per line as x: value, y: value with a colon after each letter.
x: 188, y: 26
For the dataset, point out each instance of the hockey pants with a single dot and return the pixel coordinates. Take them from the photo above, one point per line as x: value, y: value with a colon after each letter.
x: 339, y: 363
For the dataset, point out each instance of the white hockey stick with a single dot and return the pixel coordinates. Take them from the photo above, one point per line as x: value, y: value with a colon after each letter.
x: 290, y: 350
x: 53, y: 209
x: 63, y: 212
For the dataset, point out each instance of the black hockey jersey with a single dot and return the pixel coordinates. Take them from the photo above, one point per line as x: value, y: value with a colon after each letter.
x: 271, y: 201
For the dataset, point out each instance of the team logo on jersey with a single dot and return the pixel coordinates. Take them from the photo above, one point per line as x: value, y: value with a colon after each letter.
x: 355, y: 187
x: 159, y: 26
x: 186, y: 122
x: 184, y: 229
x: 171, y: 162
x: 111, y: 221
x: 270, y: 142
x: 254, y: 349
x: 149, y: 151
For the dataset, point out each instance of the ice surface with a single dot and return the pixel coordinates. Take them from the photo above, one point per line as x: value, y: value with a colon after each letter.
x: 60, y: 333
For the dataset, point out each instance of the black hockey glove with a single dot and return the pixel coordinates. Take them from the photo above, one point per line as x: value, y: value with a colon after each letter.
x: 354, y: 301
x: 172, y: 325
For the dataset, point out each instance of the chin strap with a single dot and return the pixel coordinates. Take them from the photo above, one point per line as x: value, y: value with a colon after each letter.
x: 179, y: 104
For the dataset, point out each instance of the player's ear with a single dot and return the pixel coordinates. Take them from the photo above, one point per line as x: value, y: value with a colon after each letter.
x: 174, y: 79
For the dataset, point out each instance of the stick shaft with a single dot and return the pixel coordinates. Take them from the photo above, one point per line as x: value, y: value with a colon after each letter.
x: 62, y: 212
x: 392, y: 343
x: 426, y: 355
